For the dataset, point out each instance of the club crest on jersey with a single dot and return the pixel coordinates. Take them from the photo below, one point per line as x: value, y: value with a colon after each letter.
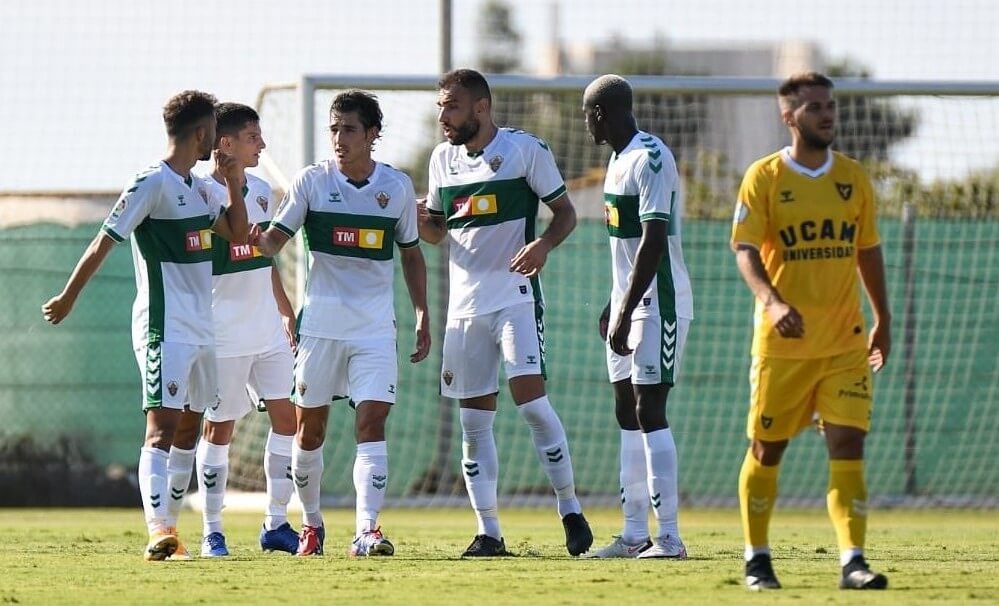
x: 301, y: 388
x: 262, y: 203
x: 448, y: 376
x: 845, y: 190
x: 172, y: 388
x: 496, y: 162
x: 383, y: 199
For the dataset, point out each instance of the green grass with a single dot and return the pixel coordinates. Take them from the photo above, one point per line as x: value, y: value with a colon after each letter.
x: 94, y: 557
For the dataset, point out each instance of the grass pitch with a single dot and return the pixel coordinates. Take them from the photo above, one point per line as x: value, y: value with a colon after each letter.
x: 94, y: 557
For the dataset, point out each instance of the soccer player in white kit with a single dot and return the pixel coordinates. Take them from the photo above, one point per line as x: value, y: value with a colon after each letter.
x: 172, y: 333
x: 254, y: 335
x: 645, y: 324
x: 353, y: 211
x: 485, y: 187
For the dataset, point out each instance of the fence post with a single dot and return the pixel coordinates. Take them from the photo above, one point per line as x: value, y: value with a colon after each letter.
x: 909, y: 344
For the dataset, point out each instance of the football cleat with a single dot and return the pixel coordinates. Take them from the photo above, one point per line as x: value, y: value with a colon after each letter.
x: 858, y: 575
x: 162, y: 544
x: 669, y: 547
x: 578, y: 536
x: 760, y: 573
x: 310, y: 541
x: 619, y: 549
x: 181, y: 554
x: 282, y: 538
x: 484, y: 546
x: 371, y: 543
x: 213, y: 546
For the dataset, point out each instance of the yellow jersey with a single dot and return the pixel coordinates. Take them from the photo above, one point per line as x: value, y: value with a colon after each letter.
x: 808, y: 225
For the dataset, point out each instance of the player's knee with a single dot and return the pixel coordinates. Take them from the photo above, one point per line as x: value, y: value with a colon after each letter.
x: 311, y: 435
x: 845, y: 442
x: 651, y: 416
x: 371, y: 417
x: 769, y: 453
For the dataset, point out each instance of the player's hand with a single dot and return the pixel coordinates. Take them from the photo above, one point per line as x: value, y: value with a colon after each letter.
x: 786, y: 319
x: 879, y: 346
x: 288, y: 322
x: 229, y: 166
x: 422, y: 214
x: 56, y: 309
x: 531, y: 258
x: 422, y: 337
x: 603, y: 324
x: 619, y: 336
x: 253, y: 236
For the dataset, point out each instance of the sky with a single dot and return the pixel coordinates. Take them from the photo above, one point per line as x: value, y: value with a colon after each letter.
x: 82, y: 84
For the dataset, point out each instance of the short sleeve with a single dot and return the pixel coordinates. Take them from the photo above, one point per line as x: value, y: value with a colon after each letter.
x: 133, y: 206
x: 406, y: 233
x: 868, y: 235
x: 658, y: 183
x: 543, y: 175
x: 290, y: 216
x: 749, y: 225
x: 434, y: 204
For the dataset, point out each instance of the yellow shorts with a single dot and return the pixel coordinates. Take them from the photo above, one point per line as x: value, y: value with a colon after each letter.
x: 788, y: 393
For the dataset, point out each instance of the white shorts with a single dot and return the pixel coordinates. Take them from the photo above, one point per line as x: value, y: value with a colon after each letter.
x: 175, y: 375
x: 658, y: 348
x: 332, y: 369
x: 473, y: 346
x: 246, y: 380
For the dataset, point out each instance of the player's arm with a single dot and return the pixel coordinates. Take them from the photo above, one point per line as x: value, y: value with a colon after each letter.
x: 531, y: 258
x: 784, y: 317
x: 284, y: 306
x: 414, y: 270
x: 651, y: 249
x: 232, y: 224
x: 58, y: 307
x: 430, y: 225
x: 870, y: 262
x: 270, y: 241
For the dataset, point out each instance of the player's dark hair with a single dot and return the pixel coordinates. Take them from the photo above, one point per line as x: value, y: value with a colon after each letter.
x: 611, y: 92
x: 362, y: 102
x: 468, y: 79
x: 231, y: 118
x: 792, y: 86
x: 185, y: 109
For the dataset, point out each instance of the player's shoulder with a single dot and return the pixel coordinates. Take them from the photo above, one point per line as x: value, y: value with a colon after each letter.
x: 150, y: 176
x: 647, y: 152
x: 395, y: 175
x: 312, y: 172
x: 523, y: 139
x: 443, y: 150
x: 843, y: 162
x: 255, y: 183
x: 767, y: 166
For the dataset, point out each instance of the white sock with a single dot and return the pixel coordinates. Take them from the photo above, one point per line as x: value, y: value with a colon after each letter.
x: 848, y: 554
x: 553, y: 451
x: 277, y: 470
x: 307, y: 469
x: 213, y: 472
x: 634, y: 487
x: 370, y: 479
x: 660, y: 456
x: 179, y: 469
x: 153, y: 487
x: 751, y: 551
x: 480, y: 467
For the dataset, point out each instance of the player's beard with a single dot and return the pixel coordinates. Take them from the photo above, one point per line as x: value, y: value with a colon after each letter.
x: 816, y: 141
x: 464, y: 133
x: 206, y: 151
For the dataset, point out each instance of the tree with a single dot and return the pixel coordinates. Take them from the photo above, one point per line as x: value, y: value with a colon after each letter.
x: 869, y: 126
x: 499, y: 42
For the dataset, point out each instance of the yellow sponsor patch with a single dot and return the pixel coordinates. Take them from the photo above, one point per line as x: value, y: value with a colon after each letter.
x: 370, y: 238
x: 611, y: 216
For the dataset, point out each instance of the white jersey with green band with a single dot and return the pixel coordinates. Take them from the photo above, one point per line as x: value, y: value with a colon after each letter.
x: 247, y: 321
x: 642, y: 185
x: 489, y: 201
x: 170, y: 223
x: 350, y: 229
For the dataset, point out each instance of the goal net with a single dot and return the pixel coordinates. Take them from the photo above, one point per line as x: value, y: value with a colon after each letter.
x: 937, y: 402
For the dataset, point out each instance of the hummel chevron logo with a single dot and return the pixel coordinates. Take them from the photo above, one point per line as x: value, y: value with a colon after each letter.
x: 656, y: 501
x: 646, y: 139
x: 301, y: 481
x: 655, y: 154
x: 177, y: 493
x: 471, y: 469
x: 378, y: 482
x: 623, y: 500
x: 154, y: 500
x: 287, y: 473
x: 759, y: 504
x: 656, y: 167
x: 210, y: 479
x: 554, y: 456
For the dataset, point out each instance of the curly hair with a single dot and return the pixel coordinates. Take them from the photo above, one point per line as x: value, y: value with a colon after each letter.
x: 185, y: 109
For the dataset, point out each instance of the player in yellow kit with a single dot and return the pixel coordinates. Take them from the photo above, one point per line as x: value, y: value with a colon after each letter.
x: 803, y: 227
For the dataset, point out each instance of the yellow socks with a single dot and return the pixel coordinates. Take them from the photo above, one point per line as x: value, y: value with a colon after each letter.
x: 847, y: 502
x: 757, y: 495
